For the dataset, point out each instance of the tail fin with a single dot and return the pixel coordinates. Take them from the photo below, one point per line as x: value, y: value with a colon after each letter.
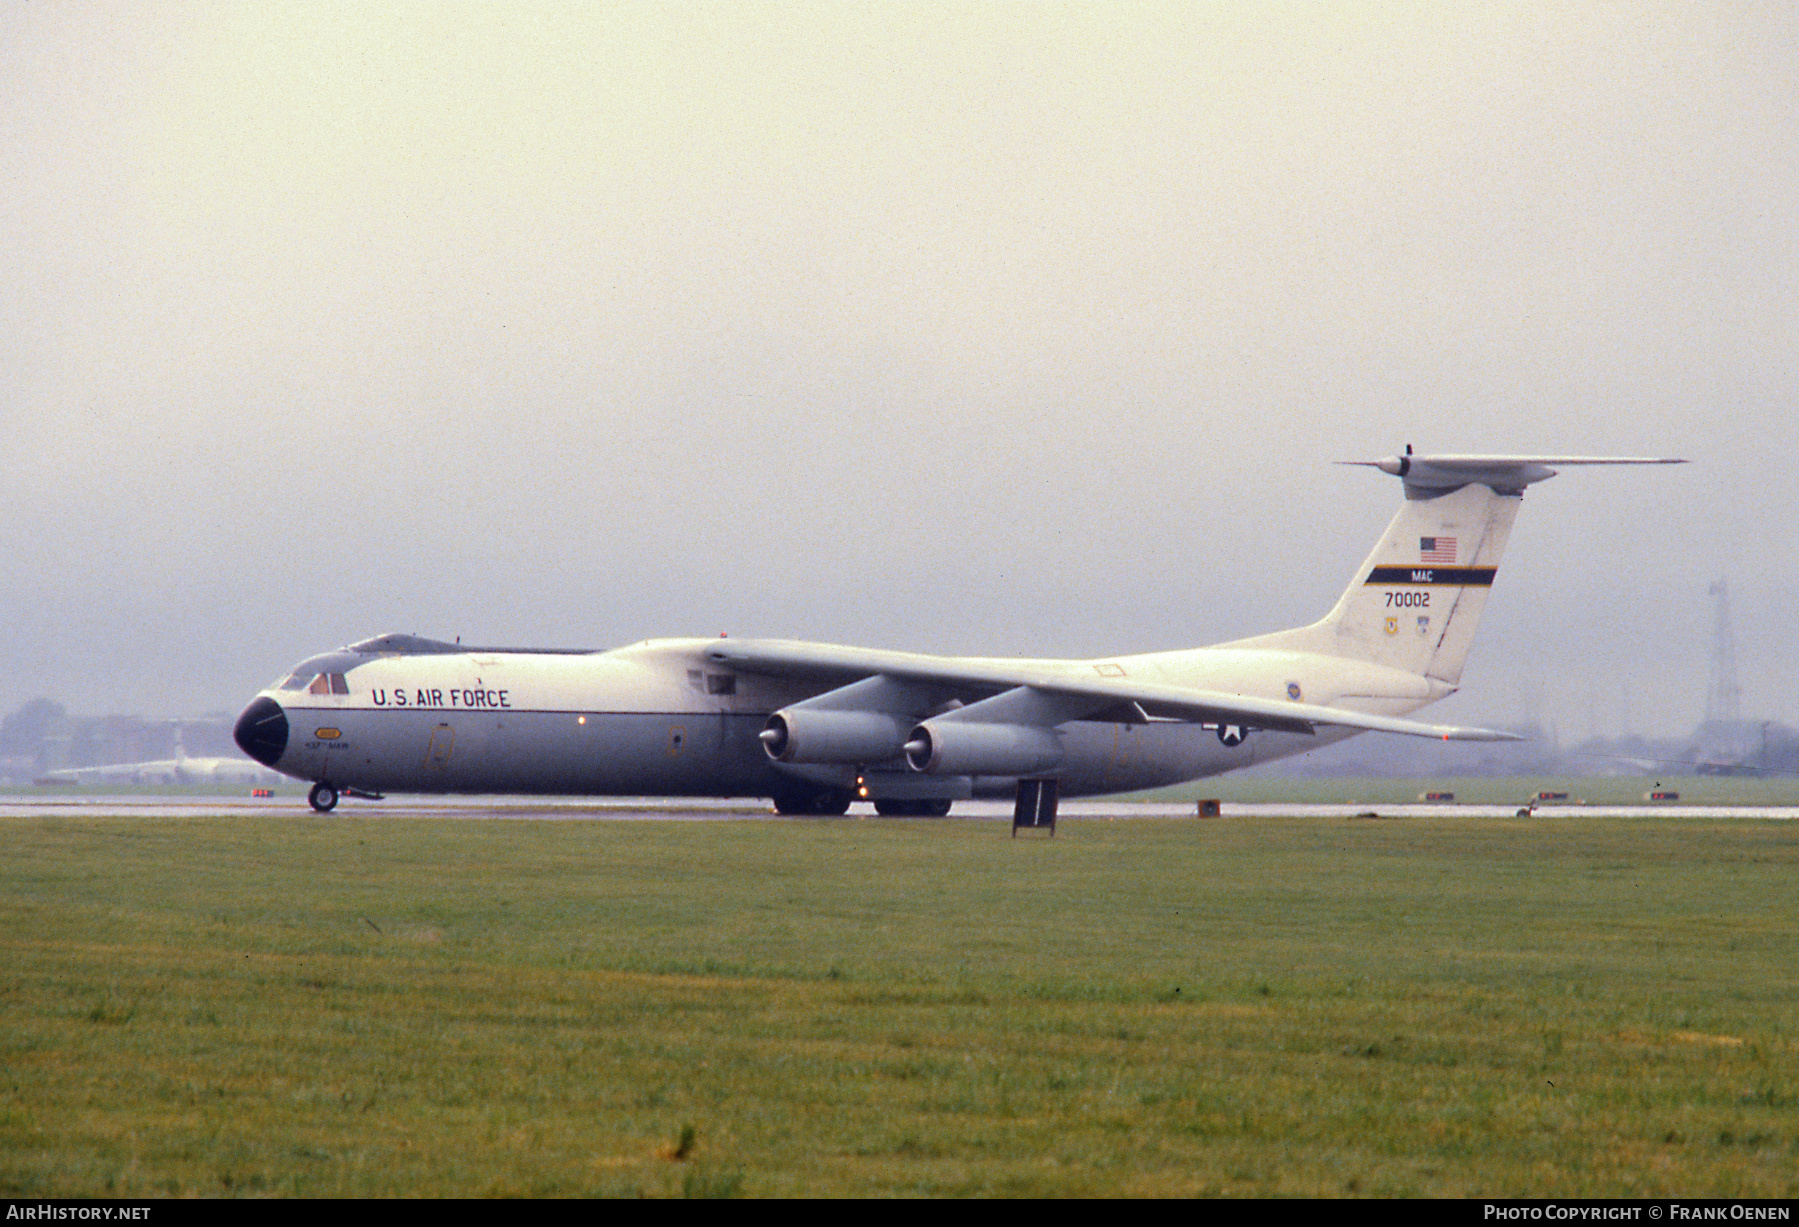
x: 1416, y: 601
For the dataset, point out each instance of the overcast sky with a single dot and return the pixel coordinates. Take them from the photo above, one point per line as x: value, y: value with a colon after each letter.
x: 988, y: 328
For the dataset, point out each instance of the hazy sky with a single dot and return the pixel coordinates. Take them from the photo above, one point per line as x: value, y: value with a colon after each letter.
x: 997, y: 328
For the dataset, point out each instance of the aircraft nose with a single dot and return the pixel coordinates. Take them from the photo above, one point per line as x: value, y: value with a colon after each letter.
x: 261, y: 732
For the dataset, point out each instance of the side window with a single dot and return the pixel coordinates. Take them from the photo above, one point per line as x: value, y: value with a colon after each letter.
x: 339, y: 685
x: 320, y: 685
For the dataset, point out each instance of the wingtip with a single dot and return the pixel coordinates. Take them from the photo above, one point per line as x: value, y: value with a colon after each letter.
x: 1479, y: 734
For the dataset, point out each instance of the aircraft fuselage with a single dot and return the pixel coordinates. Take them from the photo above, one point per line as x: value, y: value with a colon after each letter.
x: 662, y: 718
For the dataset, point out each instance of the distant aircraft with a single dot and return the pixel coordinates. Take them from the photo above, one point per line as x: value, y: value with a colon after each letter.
x: 178, y: 770
x: 816, y: 727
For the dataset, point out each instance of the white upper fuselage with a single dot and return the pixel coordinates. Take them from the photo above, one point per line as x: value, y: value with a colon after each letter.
x: 656, y: 675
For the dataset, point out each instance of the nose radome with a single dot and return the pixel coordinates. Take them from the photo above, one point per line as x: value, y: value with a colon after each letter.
x: 261, y: 732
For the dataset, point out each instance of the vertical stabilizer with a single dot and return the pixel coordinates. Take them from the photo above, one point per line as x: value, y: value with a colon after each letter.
x: 1416, y: 601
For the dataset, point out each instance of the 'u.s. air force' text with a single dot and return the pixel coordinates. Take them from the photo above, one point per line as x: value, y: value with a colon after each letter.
x: 455, y: 696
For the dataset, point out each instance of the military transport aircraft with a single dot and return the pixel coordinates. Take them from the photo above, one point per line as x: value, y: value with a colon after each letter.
x: 182, y: 769
x: 816, y: 727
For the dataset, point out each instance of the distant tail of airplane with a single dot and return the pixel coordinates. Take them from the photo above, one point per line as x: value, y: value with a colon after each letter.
x: 1415, y: 602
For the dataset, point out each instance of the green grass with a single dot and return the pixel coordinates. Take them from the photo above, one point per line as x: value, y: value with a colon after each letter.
x: 1488, y: 790
x: 359, y: 1005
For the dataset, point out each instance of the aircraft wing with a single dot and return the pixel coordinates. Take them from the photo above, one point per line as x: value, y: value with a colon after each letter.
x: 1080, y: 697
x: 122, y: 772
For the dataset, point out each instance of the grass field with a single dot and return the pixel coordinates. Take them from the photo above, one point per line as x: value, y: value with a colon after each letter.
x: 1489, y: 790
x: 361, y: 1005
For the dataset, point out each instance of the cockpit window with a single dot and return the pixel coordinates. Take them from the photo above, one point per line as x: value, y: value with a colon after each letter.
x: 296, y: 681
x: 328, y: 683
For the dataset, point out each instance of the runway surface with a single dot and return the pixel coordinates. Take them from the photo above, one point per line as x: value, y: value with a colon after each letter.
x: 678, y: 809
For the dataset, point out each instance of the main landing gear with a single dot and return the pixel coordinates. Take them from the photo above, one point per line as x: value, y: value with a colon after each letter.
x: 892, y: 807
x: 816, y: 803
x: 830, y: 802
x: 323, y: 797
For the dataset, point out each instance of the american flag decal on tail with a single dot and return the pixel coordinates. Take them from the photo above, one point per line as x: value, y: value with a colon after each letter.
x: 1437, y: 551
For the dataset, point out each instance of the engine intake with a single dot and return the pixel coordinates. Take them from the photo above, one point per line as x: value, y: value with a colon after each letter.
x: 808, y: 735
x: 958, y: 747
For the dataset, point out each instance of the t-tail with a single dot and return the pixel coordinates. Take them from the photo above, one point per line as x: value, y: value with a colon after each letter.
x: 1416, y: 601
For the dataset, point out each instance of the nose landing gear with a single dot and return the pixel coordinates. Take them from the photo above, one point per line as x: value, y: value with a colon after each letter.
x: 323, y: 797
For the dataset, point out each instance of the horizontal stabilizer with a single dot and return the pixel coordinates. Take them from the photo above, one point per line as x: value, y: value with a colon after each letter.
x: 1429, y: 476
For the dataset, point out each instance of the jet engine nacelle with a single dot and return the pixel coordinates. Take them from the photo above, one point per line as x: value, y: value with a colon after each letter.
x: 815, y: 735
x: 964, y: 747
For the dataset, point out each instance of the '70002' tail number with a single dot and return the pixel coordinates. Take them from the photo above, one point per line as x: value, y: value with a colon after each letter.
x: 1397, y: 600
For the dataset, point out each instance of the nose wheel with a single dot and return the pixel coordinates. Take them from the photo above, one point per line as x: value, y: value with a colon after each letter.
x: 323, y: 798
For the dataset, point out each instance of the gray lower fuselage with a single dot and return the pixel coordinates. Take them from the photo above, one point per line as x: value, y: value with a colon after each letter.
x: 700, y: 753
